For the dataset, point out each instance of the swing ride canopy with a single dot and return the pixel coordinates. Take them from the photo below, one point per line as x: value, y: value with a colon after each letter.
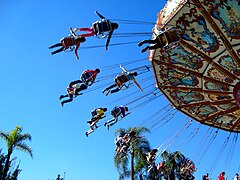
x: 200, y: 74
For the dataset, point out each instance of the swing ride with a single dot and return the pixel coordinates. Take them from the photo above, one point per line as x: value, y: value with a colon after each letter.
x: 199, y: 75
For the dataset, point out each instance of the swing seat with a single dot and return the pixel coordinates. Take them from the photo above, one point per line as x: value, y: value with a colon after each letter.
x: 85, y: 77
x: 116, y: 112
x: 102, y: 26
x: 171, y: 36
x: 68, y: 42
x: 121, y: 80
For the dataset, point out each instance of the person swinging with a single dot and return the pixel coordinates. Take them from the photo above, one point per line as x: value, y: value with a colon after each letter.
x: 121, y: 81
x: 97, y: 115
x: 88, y: 77
x: 103, y: 27
x: 73, y: 91
x: 116, y: 112
x: 68, y: 43
x: 151, y: 157
x: 163, y: 39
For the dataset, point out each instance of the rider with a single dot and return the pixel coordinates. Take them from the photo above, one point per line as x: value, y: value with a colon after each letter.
x: 164, y: 38
x: 73, y: 91
x: 119, y: 142
x: 116, y: 112
x: 89, y: 76
x: 151, y: 157
x: 120, y: 80
x: 97, y: 114
x: 69, y: 42
x: 125, y: 144
x: 100, y: 27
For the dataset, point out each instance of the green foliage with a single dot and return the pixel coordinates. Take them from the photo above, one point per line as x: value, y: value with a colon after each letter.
x: 10, y: 175
x: 14, y: 140
x: 136, y: 154
x: 176, y: 165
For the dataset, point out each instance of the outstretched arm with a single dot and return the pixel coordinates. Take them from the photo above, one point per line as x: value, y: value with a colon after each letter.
x: 76, y: 49
x: 72, y: 32
x: 134, y: 80
x: 124, y: 70
x: 108, y: 39
x: 101, y: 16
x: 74, y: 82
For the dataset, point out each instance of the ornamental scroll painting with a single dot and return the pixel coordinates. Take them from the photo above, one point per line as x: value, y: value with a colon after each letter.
x: 200, y: 74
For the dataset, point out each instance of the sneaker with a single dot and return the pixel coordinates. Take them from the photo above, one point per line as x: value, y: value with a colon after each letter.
x: 109, y: 92
x: 140, y: 44
x: 105, y: 123
x: 104, y: 91
x: 86, y: 134
x: 145, y: 49
x: 108, y: 126
x: 62, y: 104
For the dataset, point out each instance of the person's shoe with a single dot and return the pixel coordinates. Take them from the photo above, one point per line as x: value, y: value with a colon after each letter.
x: 60, y: 97
x: 145, y: 49
x: 62, y: 104
x: 49, y: 47
x: 140, y: 44
x: 105, y: 123
x: 109, y: 92
x: 108, y: 126
x: 86, y: 134
x: 96, y: 126
x: 104, y: 91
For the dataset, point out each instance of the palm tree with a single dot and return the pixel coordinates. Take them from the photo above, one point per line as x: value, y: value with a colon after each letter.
x: 14, y: 139
x: 174, y: 164
x: 138, y: 147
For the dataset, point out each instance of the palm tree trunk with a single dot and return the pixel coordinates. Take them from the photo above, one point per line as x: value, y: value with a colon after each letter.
x: 141, y: 176
x: 7, y: 164
x: 132, y: 163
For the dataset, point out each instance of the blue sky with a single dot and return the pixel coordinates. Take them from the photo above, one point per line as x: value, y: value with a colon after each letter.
x: 32, y: 80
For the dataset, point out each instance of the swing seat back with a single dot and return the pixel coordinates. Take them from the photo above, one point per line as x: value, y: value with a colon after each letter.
x: 121, y: 80
x: 68, y: 42
x: 116, y: 112
x: 94, y: 112
x: 102, y: 26
x: 171, y: 36
x: 85, y: 77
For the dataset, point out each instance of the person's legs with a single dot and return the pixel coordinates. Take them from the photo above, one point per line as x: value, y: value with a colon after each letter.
x: 81, y: 88
x: 145, y: 49
x: 110, y: 87
x: 68, y: 100
x: 55, y: 45
x: 57, y: 51
x: 112, y: 123
x: 63, y: 96
x: 114, y: 90
x: 74, y: 82
x: 90, y: 30
x: 155, y: 46
x: 89, y: 132
x: 149, y: 41
x: 91, y: 129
